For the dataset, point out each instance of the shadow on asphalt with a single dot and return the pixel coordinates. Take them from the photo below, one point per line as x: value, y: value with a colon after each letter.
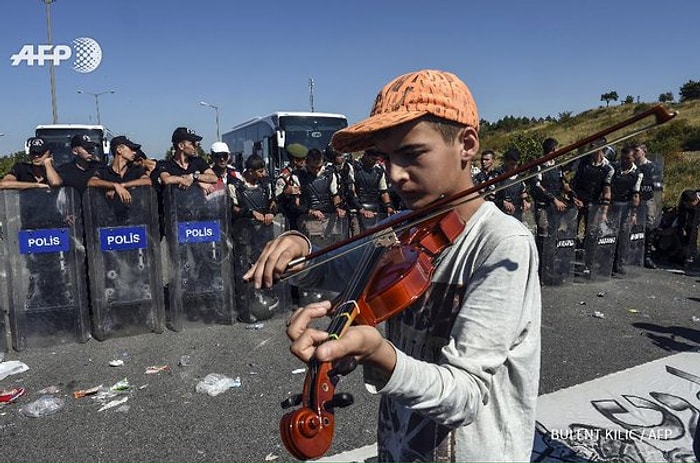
x: 671, y: 338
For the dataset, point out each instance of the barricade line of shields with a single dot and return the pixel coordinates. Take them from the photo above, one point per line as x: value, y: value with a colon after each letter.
x: 63, y: 282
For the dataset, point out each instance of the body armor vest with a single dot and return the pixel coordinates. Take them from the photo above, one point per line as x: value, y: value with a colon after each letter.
x: 646, y: 192
x: 316, y: 190
x: 589, y: 180
x: 367, y: 185
x: 255, y: 198
x: 552, y: 183
x: 622, y: 184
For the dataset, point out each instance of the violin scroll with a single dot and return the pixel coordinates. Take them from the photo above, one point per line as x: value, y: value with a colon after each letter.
x: 307, y: 432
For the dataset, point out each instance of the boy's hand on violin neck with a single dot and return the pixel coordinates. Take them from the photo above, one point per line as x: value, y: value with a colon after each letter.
x: 273, y: 260
x: 362, y: 342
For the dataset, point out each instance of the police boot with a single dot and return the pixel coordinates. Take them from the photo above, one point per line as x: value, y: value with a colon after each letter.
x: 648, y: 262
x: 649, y: 250
x: 620, y: 269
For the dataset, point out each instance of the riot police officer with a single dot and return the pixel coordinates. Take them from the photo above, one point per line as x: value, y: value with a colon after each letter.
x: 79, y: 171
x: 555, y: 219
x: 650, y: 183
x: 371, y: 199
x: 254, y: 211
x: 513, y: 200
x: 487, y: 172
x: 624, y: 190
x: 321, y: 216
x: 344, y: 170
x: 548, y: 190
x: 287, y: 187
x: 36, y: 172
x: 186, y: 167
x: 220, y: 158
x: 122, y: 173
x: 319, y: 192
x: 590, y: 189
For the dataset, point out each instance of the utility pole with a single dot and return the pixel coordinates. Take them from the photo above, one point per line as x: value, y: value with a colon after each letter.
x: 311, y: 93
x: 216, y: 109
x: 54, y: 105
x: 97, y: 101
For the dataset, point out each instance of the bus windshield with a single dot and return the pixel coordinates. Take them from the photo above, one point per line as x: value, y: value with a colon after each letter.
x: 58, y: 141
x: 311, y: 131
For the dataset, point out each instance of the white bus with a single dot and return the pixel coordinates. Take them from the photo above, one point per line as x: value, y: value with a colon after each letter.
x: 58, y: 137
x: 269, y: 136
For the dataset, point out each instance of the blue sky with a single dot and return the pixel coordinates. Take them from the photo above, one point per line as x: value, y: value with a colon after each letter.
x: 522, y: 58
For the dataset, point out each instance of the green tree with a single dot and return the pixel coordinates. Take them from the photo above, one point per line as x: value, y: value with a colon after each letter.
x: 564, y: 116
x: 608, y: 97
x: 6, y: 162
x: 690, y: 91
x: 529, y: 144
x: 666, y: 97
x: 629, y: 99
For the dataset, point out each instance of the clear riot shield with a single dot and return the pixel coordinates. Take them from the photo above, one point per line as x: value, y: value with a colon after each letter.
x: 600, y: 241
x: 529, y: 219
x: 45, y: 267
x: 124, y: 263
x: 367, y: 223
x: 249, y: 239
x: 322, y: 233
x: 197, y: 231
x: 658, y: 160
x: 556, y: 238
x: 4, y: 275
x: 632, y: 236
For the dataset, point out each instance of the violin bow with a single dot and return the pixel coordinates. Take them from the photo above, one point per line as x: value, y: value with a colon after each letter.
x: 660, y: 113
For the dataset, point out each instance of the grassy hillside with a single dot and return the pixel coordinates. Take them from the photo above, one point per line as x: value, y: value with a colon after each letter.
x: 677, y: 141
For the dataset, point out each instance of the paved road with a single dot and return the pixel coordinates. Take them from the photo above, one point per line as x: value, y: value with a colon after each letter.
x: 646, y: 317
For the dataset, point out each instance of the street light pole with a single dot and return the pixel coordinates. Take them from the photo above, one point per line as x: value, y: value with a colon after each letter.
x: 54, y: 105
x: 216, y: 108
x: 311, y: 93
x: 97, y: 101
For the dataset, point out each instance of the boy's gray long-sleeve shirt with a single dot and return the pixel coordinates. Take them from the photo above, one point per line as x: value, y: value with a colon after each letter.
x: 468, y: 351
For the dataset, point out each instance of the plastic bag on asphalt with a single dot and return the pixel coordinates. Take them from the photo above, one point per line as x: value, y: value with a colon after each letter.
x: 215, y: 383
x: 12, y: 367
x: 44, y: 405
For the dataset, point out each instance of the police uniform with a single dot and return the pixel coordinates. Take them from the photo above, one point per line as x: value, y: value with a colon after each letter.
x: 318, y: 192
x: 78, y: 172
x: 27, y: 172
x: 589, y: 181
x: 588, y: 185
x: 650, y: 174
x: 195, y: 164
x: 545, y: 188
x: 345, y: 174
x: 288, y: 203
x: 224, y: 174
x: 484, y: 176
x: 624, y: 185
x: 370, y: 185
x: 131, y: 173
x: 515, y: 193
x: 249, y: 239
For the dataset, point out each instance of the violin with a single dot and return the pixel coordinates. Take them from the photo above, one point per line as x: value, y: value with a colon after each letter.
x: 388, y: 280
x: 394, y: 271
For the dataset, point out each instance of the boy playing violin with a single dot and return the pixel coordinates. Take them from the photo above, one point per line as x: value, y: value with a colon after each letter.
x: 458, y: 370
